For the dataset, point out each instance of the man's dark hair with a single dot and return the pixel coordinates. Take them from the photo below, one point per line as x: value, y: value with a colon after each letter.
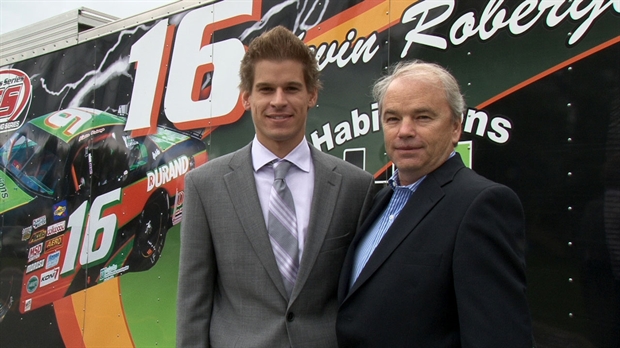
x: 279, y: 44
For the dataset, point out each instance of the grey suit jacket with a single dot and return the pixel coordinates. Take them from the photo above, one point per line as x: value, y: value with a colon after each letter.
x: 231, y: 292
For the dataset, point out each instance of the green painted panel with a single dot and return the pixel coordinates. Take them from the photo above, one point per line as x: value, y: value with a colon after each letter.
x: 149, y: 298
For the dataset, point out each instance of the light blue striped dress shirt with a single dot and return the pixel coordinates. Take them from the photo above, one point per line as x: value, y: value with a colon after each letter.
x: 369, y: 242
x: 379, y: 228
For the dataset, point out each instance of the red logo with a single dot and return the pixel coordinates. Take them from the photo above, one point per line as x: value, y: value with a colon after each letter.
x: 35, y: 252
x: 15, y: 97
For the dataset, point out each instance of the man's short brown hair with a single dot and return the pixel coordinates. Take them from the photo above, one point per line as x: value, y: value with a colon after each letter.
x: 279, y: 44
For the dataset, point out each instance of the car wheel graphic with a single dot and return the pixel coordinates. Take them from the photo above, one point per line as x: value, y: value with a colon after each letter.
x: 151, y: 233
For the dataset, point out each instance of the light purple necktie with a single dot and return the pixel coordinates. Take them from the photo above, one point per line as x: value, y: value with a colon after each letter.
x: 282, y: 226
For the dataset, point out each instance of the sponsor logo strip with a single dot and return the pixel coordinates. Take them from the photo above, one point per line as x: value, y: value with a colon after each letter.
x: 40, y: 221
x: 37, y: 236
x: 56, y: 228
x: 35, y: 252
x: 49, y: 277
x: 35, y: 266
x: 53, y: 243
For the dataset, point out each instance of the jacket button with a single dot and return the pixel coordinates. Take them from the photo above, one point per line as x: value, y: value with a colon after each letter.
x: 290, y: 316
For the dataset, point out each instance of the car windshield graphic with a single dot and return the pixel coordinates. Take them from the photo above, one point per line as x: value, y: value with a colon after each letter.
x: 32, y: 159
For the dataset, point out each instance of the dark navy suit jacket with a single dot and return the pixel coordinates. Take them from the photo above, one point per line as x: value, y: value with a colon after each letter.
x: 450, y: 271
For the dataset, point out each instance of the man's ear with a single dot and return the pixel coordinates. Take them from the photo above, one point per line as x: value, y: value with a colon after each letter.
x: 313, y: 98
x: 456, y: 132
x: 245, y: 100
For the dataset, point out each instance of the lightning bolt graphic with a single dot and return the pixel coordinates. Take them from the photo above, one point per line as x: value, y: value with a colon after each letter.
x: 302, y: 17
x: 98, y: 77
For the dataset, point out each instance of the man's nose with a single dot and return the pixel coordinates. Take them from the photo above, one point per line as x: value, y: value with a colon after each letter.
x: 407, y: 128
x: 279, y: 98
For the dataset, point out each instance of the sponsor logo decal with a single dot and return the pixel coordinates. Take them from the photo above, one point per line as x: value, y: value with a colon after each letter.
x: 60, y: 210
x: 35, y: 266
x: 177, y: 216
x: 50, y: 276
x: 155, y: 154
x: 34, y: 252
x: 37, y: 236
x: 33, y: 284
x: 52, y: 259
x: 109, y: 272
x: 53, y: 243
x: 4, y: 192
x: 40, y: 221
x: 167, y: 172
x: 28, y: 305
x: 15, y: 97
x: 26, y: 233
x: 88, y: 135
x: 56, y: 228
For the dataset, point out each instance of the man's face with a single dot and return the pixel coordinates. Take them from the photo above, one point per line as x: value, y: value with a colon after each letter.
x: 418, y: 128
x: 279, y: 101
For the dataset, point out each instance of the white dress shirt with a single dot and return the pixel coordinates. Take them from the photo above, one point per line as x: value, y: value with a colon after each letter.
x: 299, y: 179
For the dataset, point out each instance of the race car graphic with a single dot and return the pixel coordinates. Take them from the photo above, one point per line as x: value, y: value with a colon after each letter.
x: 83, y: 202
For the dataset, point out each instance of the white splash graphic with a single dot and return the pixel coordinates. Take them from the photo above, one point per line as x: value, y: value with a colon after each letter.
x: 304, y: 25
x: 97, y: 78
x: 100, y: 78
x: 301, y: 20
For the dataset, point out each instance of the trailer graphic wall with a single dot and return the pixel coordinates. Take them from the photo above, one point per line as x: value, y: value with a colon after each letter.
x: 95, y: 140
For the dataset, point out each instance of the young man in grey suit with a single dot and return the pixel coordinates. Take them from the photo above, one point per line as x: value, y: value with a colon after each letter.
x: 439, y: 262
x: 261, y: 256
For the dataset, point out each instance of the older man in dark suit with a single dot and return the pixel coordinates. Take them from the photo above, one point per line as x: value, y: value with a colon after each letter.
x: 439, y: 262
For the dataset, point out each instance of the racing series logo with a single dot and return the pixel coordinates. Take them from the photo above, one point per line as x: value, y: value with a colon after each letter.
x: 15, y: 98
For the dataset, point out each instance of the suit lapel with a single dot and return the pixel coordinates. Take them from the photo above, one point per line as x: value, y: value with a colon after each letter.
x: 242, y: 190
x: 380, y: 202
x: 326, y: 188
x: 428, y: 194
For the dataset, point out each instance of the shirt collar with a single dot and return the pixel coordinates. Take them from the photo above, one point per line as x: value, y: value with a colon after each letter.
x: 300, y: 156
x: 394, y: 181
